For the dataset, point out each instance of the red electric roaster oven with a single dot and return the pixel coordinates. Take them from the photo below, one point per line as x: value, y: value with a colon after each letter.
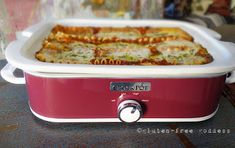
x: 106, y: 93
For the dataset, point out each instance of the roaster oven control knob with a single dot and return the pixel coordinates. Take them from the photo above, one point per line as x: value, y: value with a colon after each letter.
x: 129, y: 111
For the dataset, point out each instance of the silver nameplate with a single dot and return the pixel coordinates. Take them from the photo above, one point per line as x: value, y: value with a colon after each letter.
x: 130, y: 86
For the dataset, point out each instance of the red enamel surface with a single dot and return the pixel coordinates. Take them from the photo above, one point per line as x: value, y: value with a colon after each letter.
x: 92, y: 98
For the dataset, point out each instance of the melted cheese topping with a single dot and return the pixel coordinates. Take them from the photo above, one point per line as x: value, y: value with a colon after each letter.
x: 78, y: 53
x: 121, y: 33
x: 180, y: 52
x: 125, y: 45
x: 125, y: 51
x: 164, y: 32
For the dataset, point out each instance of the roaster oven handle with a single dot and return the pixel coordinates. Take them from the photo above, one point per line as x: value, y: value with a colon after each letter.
x: 27, y: 33
x: 231, y: 78
x: 7, y: 73
x: 231, y: 47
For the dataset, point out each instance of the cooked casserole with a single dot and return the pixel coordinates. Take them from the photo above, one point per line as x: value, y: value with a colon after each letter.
x: 122, y: 46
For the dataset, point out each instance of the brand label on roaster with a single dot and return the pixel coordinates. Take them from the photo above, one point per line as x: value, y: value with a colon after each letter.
x: 130, y: 86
